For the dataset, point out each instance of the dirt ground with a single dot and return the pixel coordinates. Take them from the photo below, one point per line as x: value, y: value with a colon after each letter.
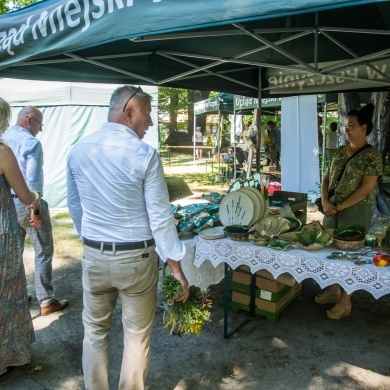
x: 303, y: 350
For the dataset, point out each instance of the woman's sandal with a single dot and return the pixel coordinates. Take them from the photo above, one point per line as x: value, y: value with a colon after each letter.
x: 327, y: 297
x: 339, y: 311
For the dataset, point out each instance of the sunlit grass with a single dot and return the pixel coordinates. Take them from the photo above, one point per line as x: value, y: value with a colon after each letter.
x: 60, y: 214
x: 66, y: 243
x: 196, y: 179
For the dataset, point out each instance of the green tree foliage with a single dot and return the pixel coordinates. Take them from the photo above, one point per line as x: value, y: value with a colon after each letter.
x: 3, y: 7
x: 173, y: 102
x: 8, y: 6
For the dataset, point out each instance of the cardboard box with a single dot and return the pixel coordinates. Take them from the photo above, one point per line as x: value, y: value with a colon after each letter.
x: 270, y: 310
x: 284, y: 278
x: 243, y: 277
x: 269, y: 168
x: 245, y: 289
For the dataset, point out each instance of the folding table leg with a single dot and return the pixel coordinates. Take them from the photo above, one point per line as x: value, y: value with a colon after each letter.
x: 226, y: 333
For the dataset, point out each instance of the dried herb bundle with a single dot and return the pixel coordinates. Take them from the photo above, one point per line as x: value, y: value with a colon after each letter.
x: 187, y: 317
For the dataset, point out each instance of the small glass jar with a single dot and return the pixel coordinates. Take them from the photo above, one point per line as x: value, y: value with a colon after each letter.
x: 370, y: 240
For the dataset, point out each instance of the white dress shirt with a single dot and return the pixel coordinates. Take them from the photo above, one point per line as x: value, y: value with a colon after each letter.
x: 28, y: 151
x: 116, y: 191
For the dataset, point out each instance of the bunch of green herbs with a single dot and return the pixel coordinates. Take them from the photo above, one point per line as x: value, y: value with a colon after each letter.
x: 187, y: 317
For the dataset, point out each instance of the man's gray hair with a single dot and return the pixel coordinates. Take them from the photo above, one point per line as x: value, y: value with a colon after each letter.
x: 122, y: 94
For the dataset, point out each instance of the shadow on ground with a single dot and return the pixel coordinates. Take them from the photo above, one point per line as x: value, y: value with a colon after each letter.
x: 178, y: 186
x: 303, y: 350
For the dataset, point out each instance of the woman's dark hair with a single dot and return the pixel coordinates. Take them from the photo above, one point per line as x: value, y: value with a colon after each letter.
x: 364, y: 116
x: 333, y: 126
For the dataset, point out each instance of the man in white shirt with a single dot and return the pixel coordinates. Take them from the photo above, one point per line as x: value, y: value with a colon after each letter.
x: 21, y: 138
x: 119, y: 203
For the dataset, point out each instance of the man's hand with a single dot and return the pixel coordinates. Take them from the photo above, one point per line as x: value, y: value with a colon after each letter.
x: 177, y: 273
x: 36, y: 220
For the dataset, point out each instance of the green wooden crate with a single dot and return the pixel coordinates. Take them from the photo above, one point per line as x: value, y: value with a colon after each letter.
x: 242, y: 302
x: 260, y: 293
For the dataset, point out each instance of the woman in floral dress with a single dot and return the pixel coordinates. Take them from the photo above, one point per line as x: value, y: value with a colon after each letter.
x: 16, y: 329
x: 349, y: 199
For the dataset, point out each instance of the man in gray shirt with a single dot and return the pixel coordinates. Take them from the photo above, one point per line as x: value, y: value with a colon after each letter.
x: 21, y: 138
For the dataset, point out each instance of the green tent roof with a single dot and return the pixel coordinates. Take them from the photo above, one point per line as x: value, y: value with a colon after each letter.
x: 276, y: 46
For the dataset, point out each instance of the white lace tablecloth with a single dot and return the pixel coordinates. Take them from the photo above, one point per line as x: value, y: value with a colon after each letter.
x: 204, y: 274
x: 298, y: 263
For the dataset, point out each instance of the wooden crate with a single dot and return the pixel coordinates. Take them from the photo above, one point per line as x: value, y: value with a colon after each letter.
x: 284, y: 278
x: 267, y: 309
x: 269, y: 168
x: 266, y: 289
x: 296, y: 200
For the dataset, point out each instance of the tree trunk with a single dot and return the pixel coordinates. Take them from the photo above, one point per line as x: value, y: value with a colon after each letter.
x: 191, y: 95
x: 380, y: 138
x: 174, y: 97
x: 197, y: 96
x: 380, y: 134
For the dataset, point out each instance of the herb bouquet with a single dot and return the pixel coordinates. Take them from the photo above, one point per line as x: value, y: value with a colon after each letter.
x: 187, y: 317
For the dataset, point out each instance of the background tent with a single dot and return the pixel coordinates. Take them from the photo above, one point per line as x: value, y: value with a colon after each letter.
x: 70, y: 111
x: 220, y: 104
x: 277, y: 47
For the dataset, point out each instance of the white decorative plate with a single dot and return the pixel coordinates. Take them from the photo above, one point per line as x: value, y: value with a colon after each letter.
x: 213, y: 233
x: 271, y: 226
x: 236, y: 208
x: 256, y: 203
x: 263, y: 204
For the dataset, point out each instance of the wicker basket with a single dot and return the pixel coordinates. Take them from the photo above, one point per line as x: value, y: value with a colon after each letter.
x: 347, y: 245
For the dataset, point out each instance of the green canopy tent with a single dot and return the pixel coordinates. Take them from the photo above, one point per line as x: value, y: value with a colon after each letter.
x: 255, y: 48
x: 220, y: 104
x: 70, y: 112
x: 234, y: 104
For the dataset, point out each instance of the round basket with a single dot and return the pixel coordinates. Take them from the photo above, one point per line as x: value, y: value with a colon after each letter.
x: 347, y: 245
x: 350, y: 233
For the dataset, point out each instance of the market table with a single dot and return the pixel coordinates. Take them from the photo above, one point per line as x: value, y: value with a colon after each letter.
x: 213, y: 259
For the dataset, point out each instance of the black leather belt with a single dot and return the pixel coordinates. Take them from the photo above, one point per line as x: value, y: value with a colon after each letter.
x: 118, y: 246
